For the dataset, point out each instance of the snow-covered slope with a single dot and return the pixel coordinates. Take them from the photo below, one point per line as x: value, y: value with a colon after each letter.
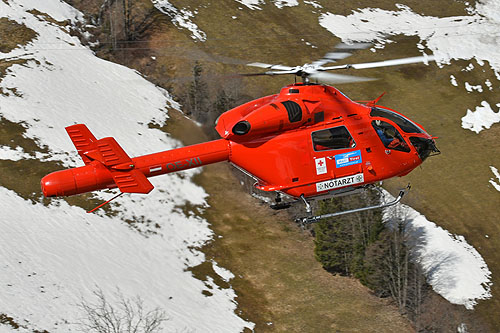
x: 53, y: 256
x: 453, y: 267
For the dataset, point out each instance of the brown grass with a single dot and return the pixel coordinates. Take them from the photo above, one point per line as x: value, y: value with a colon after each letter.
x: 13, y: 34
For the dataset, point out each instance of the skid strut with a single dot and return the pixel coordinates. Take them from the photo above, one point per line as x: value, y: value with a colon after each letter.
x: 308, y: 206
x: 313, y: 219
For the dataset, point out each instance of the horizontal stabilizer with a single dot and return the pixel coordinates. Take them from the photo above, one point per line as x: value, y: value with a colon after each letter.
x: 112, y: 153
x: 108, y: 152
x: 132, y: 181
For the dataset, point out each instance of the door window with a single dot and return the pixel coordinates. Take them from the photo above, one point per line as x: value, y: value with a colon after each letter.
x: 332, y: 138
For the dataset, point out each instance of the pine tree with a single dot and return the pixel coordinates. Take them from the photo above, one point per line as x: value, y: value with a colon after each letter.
x: 341, y: 242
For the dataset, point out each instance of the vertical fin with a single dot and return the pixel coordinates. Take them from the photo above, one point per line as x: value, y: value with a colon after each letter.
x: 83, y: 140
x: 108, y: 152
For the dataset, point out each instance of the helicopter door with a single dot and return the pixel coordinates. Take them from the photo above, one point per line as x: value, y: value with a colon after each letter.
x: 333, y: 154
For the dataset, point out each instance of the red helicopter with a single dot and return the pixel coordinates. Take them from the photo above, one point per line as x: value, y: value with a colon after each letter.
x: 309, y: 141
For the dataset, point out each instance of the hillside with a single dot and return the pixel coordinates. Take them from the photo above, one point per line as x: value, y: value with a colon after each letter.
x: 54, y: 251
x: 454, y: 101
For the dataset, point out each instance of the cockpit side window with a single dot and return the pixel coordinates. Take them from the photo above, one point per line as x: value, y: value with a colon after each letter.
x: 405, y: 124
x: 389, y: 136
x: 332, y: 138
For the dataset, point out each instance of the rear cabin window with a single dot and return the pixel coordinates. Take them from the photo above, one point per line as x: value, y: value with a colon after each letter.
x: 389, y: 136
x: 405, y: 124
x: 332, y: 138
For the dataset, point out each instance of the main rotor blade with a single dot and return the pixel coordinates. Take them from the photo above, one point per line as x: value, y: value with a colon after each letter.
x: 331, y: 57
x: 338, y: 78
x: 384, y: 63
x: 278, y: 67
x: 270, y: 73
x: 345, y: 50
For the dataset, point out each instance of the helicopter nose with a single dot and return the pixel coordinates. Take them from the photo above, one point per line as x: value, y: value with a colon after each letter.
x: 424, y: 146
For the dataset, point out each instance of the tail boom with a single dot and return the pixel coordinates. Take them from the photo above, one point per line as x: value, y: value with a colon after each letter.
x: 108, y: 166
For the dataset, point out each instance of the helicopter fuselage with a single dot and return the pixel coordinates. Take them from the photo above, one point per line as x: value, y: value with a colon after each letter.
x: 309, y: 140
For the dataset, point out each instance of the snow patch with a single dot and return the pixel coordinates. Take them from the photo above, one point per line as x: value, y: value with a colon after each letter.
x: 489, y: 84
x: 453, y: 81
x: 181, y: 18
x: 308, y: 43
x: 459, y: 37
x: 471, y: 88
x: 252, y: 4
x: 453, y: 268
x: 469, y: 68
x: 225, y: 274
x: 285, y: 3
x: 493, y: 181
x: 482, y: 118
x: 7, y: 153
x: 58, y: 10
x: 315, y: 4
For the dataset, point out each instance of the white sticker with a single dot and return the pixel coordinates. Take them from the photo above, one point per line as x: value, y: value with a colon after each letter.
x: 320, y: 166
x: 340, y: 182
x: 154, y: 169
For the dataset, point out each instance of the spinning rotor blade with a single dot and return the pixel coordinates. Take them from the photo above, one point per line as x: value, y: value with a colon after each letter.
x: 384, y: 63
x: 330, y: 57
x: 338, y: 78
x: 346, y: 50
x: 278, y: 67
x: 270, y: 73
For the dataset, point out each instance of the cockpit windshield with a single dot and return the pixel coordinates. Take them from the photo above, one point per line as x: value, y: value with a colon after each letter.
x: 389, y: 136
x: 405, y: 124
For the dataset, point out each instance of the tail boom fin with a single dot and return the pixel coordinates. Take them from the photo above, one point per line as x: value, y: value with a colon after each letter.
x: 110, y: 154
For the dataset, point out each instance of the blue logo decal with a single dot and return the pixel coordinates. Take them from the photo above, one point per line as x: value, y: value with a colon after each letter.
x: 351, y: 158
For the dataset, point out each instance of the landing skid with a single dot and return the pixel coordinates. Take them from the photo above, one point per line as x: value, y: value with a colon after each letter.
x: 313, y: 219
x: 281, y: 205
